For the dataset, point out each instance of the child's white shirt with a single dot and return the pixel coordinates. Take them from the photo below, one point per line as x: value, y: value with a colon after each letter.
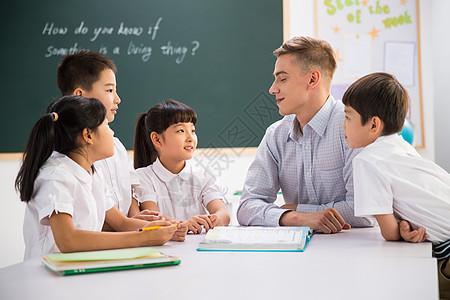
x: 391, y: 177
x: 180, y: 196
x: 119, y: 176
x: 63, y: 186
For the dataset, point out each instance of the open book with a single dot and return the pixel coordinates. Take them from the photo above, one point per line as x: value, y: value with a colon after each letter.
x: 256, y: 239
x: 107, y: 260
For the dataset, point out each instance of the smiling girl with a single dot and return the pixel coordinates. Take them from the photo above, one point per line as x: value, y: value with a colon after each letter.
x: 164, y: 143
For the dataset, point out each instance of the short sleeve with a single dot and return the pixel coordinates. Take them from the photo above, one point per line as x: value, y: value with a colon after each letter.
x: 145, y: 191
x: 53, y: 195
x: 211, y: 191
x: 373, y: 193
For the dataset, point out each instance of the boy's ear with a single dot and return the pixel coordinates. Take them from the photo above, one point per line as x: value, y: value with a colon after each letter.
x: 87, y: 136
x: 78, y: 92
x: 156, y: 139
x: 377, y: 125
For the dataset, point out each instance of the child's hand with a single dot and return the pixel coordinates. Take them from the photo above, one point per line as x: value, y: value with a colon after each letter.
x: 158, y: 236
x: 196, y: 222
x: 149, y: 215
x: 180, y: 234
x: 412, y: 236
x: 214, y: 220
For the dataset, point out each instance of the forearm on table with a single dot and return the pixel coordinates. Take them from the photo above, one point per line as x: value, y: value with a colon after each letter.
x: 257, y: 212
x: 69, y: 239
x: 81, y: 240
x: 120, y: 222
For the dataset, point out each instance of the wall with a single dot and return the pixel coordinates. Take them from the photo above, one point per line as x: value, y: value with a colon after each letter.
x: 11, y: 215
x: 441, y: 80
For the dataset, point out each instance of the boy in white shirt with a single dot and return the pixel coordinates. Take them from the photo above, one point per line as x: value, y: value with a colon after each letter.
x: 391, y: 180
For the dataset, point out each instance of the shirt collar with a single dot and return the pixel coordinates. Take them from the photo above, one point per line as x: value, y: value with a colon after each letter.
x: 318, y: 123
x: 320, y: 120
x: 166, y: 176
x: 75, y: 168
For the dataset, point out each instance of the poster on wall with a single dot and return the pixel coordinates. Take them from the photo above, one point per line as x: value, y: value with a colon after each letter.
x: 371, y: 36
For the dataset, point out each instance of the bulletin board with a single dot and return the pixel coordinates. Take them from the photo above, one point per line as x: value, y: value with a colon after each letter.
x: 372, y: 36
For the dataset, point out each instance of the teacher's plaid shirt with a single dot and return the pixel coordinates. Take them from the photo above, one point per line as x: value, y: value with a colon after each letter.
x: 312, y: 169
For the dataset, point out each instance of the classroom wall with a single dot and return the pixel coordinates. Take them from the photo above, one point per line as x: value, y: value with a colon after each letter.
x: 435, y: 66
x: 441, y: 80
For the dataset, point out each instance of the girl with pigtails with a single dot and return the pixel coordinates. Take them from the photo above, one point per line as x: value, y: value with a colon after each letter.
x: 165, y: 141
x: 67, y: 203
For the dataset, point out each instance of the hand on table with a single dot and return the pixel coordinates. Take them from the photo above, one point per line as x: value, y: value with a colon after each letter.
x: 412, y: 236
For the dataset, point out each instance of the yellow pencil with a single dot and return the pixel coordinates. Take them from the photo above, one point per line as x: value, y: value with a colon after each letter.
x: 152, y: 228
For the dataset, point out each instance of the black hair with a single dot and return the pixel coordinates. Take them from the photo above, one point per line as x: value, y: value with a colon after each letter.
x: 58, y: 130
x: 81, y: 69
x: 158, y: 119
x: 379, y: 94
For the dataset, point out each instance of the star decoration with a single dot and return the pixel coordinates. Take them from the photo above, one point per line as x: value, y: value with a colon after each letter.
x: 403, y: 2
x: 336, y: 29
x: 374, y: 33
x: 364, y: 3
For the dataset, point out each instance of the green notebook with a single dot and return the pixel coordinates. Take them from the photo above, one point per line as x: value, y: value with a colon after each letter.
x: 255, y: 238
x: 107, y: 260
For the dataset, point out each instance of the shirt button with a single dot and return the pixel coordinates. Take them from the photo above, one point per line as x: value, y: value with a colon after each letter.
x: 307, y: 173
x: 313, y: 198
x: 306, y: 147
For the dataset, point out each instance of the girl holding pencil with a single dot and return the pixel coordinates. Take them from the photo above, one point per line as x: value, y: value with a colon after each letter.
x: 67, y: 204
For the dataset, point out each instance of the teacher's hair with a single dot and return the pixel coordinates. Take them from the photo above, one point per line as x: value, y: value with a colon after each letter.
x: 157, y: 119
x: 58, y: 130
x: 310, y: 53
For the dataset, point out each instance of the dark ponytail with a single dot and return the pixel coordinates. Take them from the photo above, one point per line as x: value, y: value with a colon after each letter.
x: 144, y: 150
x: 58, y: 130
x: 158, y: 119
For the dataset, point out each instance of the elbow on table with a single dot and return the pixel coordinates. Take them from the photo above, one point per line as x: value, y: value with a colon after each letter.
x: 391, y: 236
x: 66, y: 245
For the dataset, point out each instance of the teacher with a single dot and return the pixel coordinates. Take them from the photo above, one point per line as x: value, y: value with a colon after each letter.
x: 305, y: 154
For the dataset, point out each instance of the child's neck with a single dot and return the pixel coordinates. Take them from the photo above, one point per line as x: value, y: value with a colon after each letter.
x: 81, y: 160
x: 174, y: 167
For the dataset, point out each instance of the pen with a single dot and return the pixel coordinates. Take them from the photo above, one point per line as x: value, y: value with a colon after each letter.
x: 152, y: 228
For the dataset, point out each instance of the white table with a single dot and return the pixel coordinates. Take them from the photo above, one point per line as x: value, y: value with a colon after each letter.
x: 355, y: 264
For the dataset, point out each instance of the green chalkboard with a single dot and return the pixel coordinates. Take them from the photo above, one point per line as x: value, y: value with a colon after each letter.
x: 214, y: 55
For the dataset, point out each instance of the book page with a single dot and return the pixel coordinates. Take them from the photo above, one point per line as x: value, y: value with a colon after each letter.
x: 256, y: 235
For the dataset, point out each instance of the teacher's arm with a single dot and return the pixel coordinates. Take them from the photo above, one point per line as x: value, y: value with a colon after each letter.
x: 260, y: 190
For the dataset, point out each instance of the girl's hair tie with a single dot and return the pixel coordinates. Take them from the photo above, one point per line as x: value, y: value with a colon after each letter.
x: 54, y: 116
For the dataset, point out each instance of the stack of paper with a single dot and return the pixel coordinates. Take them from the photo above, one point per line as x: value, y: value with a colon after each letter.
x: 107, y: 260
